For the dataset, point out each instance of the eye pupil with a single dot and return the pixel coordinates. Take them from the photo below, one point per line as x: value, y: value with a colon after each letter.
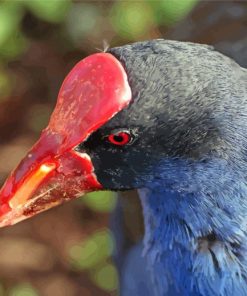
x: 120, y: 138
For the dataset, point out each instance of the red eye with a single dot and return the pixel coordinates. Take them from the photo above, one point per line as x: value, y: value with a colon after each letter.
x: 120, y: 138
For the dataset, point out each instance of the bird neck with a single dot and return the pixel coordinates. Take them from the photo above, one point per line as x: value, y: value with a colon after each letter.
x: 196, y: 243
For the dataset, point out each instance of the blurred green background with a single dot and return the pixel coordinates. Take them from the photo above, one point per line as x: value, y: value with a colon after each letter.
x: 67, y: 250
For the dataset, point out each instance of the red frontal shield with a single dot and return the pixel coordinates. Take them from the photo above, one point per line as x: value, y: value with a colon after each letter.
x: 52, y: 172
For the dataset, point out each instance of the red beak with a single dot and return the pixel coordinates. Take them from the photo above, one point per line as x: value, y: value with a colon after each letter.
x: 53, y: 172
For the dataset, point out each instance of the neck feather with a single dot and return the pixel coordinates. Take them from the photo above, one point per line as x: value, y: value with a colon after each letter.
x: 196, y: 243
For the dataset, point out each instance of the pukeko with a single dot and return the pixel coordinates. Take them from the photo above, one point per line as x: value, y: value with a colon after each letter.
x: 170, y: 119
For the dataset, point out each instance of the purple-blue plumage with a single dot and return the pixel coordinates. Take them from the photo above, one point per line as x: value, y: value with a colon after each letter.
x: 188, y: 120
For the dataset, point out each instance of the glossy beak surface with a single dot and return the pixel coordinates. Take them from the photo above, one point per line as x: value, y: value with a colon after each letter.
x: 53, y: 172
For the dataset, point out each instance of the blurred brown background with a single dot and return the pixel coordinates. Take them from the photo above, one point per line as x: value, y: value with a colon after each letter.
x: 66, y: 251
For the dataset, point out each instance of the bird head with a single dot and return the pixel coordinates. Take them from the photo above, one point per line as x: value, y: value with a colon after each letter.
x: 125, y: 119
x: 53, y: 170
